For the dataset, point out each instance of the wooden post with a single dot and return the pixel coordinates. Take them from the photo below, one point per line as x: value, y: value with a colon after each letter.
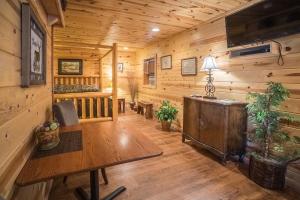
x: 100, y: 74
x: 115, y: 81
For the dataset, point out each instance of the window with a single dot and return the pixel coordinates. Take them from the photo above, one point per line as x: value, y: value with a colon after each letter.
x: 150, y: 72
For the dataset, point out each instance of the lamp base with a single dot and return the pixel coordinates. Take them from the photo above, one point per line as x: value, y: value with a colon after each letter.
x: 209, y: 97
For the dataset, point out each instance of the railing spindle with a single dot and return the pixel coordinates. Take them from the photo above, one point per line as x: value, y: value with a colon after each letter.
x: 105, y: 106
x: 75, y: 104
x: 83, y: 108
x: 97, y: 102
x: 91, y: 107
x: 61, y: 81
x: 98, y: 107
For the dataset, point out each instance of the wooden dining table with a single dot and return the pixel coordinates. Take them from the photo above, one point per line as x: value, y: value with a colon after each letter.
x: 104, y: 144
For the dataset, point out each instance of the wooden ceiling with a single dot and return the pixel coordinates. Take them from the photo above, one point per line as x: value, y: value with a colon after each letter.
x: 129, y: 22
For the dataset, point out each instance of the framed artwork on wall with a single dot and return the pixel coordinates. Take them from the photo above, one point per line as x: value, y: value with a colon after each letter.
x: 120, y: 67
x: 189, y: 66
x: 70, y: 67
x: 33, y: 50
x: 166, y: 62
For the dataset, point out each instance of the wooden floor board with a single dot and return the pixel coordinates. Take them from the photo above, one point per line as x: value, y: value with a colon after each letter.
x: 183, y: 172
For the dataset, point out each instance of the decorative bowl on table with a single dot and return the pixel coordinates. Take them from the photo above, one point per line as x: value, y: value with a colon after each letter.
x: 47, y: 135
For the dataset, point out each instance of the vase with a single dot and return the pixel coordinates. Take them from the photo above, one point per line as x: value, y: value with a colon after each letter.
x: 166, y: 125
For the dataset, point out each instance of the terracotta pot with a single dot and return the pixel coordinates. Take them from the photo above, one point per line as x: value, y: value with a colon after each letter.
x: 166, y: 126
x: 267, y: 173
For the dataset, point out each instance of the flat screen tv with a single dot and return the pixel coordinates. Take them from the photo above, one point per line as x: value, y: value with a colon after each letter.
x: 263, y: 21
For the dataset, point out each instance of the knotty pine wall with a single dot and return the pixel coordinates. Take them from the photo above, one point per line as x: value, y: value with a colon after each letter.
x: 90, y: 58
x: 129, y: 65
x: 92, y: 66
x: 235, y: 78
x: 21, y: 109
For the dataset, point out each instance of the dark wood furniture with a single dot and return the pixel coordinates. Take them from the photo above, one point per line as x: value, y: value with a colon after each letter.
x: 121, y: 105
x: 104, y: 144
x: 217, y: 125
x: 148, y: 107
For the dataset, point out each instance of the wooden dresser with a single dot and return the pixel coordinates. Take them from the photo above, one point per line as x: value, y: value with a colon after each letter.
x: 217, y: 125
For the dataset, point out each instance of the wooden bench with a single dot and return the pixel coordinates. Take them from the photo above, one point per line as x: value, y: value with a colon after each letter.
x: 148, y: 107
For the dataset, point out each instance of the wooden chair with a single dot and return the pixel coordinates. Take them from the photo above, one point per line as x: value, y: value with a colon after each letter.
x: 66, y: 115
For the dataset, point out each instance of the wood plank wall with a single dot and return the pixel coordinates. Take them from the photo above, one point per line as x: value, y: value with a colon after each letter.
x: 235, y: 78
x: 90, y: 58
x: 129, y: 65
x: 21, y: 109
x: 91, y: 65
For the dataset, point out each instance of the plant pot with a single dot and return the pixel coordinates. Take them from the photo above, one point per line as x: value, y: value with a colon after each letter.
x: 267, y: 173
x: 132, y: 104
x: 166, y: 125
x: 48, y: 139
x: 252, y: 147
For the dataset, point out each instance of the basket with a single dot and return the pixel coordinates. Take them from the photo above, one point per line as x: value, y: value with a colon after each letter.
x: 48, y: 139
x: 266, y: 173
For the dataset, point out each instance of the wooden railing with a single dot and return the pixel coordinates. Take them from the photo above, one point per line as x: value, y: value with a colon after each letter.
x: 77, y: 80
x: 90, y: 106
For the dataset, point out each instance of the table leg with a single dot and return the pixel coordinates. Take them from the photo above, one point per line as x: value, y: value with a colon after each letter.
x: 94, y: 184
x: 115, y: 193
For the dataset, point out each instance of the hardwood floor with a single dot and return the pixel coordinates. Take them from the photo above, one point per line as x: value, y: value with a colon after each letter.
x: 183, y: 172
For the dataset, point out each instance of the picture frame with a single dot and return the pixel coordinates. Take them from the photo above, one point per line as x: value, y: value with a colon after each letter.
x: 166, y: 62
x: 189, y: 66
x: 33, y: 49
x: 70, y: 66
x: 120, y: 67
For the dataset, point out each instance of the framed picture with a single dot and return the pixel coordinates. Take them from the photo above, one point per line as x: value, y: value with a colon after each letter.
x: 120, y: 67
x: 70, y: 66
x: 33, y: 70
x: 189, y: 66
x: 166, y: 62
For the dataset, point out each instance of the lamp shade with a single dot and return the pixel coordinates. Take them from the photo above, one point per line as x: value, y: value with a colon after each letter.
x: 209, y: 63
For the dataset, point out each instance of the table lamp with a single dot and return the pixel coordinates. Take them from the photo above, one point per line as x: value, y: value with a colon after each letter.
x: 209, y: 64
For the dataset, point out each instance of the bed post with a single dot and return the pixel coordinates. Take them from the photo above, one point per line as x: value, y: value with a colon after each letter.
x: 115, y: 81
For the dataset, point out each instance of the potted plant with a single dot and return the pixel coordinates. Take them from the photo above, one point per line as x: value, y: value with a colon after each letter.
x: 267, y: 165
x: 133, y: 88
x: 166, y: 114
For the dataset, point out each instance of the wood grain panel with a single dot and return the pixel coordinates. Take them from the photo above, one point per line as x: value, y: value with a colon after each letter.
x: 235, y: 78
x: 129, y: 23
x: 17, y: 104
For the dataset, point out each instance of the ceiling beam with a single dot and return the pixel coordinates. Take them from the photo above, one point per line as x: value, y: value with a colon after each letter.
x: 81, y: 45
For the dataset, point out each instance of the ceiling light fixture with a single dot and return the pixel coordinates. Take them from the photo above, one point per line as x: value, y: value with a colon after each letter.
x: 125, y: 48
x: 155, y: 29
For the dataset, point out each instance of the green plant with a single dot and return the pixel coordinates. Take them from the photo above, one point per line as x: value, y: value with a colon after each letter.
x: 264, y: 113
x: 166, y: 112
